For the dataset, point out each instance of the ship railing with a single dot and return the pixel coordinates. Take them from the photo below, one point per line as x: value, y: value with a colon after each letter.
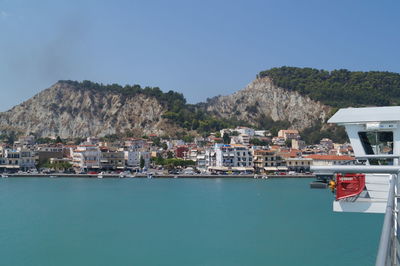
x: 389, y: 244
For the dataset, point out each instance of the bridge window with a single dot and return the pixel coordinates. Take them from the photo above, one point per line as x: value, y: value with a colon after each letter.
x: 377, y: 142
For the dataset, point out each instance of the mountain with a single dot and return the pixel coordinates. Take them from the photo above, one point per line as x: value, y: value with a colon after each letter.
x: 285, y: 97
x: 262, y: 100
x: 70, y: 109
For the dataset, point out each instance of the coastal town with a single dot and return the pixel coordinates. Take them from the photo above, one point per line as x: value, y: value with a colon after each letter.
x: 236, y: 151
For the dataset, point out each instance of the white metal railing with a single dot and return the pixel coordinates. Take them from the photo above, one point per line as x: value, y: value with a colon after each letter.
x: 388, y: 244
x: 388, y: 251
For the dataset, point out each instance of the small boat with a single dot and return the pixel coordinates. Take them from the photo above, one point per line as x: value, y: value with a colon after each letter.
x: 4, y: 175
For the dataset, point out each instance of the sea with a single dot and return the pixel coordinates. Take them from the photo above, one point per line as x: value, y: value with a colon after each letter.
x: 216, y: 221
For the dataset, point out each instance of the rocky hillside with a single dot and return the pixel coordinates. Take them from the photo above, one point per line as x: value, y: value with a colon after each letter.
x: 301, y: 98
x: 263, y: 99
x: 67, y: 110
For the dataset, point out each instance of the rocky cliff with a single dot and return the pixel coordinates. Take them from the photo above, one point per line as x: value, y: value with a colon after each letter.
x: 262, y: 98
x: 68, y: 111
x: 72, y: 109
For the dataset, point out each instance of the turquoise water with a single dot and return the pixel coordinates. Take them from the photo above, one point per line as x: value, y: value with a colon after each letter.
x: 64, y: 221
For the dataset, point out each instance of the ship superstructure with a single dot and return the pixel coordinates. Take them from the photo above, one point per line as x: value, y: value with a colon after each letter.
x: 372, y: 185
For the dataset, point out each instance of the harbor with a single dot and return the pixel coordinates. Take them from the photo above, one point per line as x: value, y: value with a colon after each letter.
x: 188, y: 221
x: 63, y: 175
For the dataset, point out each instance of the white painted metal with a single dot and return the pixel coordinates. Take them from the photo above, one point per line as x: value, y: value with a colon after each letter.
x: 366, y: 114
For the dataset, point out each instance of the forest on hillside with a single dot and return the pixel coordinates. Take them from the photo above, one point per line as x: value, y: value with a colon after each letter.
x: 339, y: 88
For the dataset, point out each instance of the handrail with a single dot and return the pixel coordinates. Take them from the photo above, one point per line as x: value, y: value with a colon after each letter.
x: 387, y: 227
x: 378, y: 156
x: 381, y: 169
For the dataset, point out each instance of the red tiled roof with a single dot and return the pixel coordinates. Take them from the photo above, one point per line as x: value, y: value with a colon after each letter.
x: 330, y: 157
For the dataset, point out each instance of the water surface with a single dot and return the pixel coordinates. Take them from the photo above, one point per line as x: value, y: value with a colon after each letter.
x: 76, y: 221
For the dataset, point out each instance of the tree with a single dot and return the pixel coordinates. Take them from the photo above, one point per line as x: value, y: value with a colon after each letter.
x: 288, y: 143
x: 164, y: 146
x: 59, y: 140
x: 258, y: 142
x: 142, y: 162
x: 226, y: 138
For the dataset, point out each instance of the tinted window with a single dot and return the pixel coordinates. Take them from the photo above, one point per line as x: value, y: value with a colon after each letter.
x: 377, y: 142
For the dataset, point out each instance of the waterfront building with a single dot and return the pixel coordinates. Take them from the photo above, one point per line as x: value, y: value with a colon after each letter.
x: 20, y: 159
x: 132, y: 158
x: 325, y: 160
x: 298, y: 164
x: 87, y: 157
x: 201, y: 161
x: 111, y: 160
x: 266, y: 161
x: 233, y: 156
x: 210, y: 157
x: 46, y: 152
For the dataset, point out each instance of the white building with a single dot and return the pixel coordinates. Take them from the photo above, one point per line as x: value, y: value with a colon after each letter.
x: 233, y: 156
x: 17, y: 159
x: 261, y: 133
x: 241, y: 139
x: 245, y: 131
x: 209, y: 157
x: 132, y: 158
x: 86, y: 157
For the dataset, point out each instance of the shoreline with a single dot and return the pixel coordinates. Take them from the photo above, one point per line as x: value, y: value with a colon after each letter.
x: 59, y: 175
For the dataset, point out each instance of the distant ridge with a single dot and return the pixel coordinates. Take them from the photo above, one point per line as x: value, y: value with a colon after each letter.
x: 285, y: 97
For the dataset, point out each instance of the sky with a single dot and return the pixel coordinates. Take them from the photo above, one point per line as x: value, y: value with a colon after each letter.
x: 200, y: 48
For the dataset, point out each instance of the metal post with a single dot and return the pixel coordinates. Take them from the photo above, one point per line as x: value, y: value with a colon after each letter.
x: 386, y: 236
x: 395, y: 210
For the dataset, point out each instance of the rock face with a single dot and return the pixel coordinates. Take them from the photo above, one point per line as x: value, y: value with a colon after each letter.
x: 69, y: 111
x: 261, y: 98
x: 66, y: 111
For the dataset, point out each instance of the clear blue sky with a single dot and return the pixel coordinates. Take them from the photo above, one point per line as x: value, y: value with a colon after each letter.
x: 200, y: 48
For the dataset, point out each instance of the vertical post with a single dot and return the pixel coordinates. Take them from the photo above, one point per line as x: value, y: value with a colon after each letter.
x: 394, y: 238
x: 385, y: 244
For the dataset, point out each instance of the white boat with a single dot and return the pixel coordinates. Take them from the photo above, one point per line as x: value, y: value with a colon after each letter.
x: 4, y: 175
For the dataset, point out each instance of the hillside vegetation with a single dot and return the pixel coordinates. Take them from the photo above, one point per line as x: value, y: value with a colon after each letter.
x: 187, y: 116
x: 339, y: 88
x: 273, y: 101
